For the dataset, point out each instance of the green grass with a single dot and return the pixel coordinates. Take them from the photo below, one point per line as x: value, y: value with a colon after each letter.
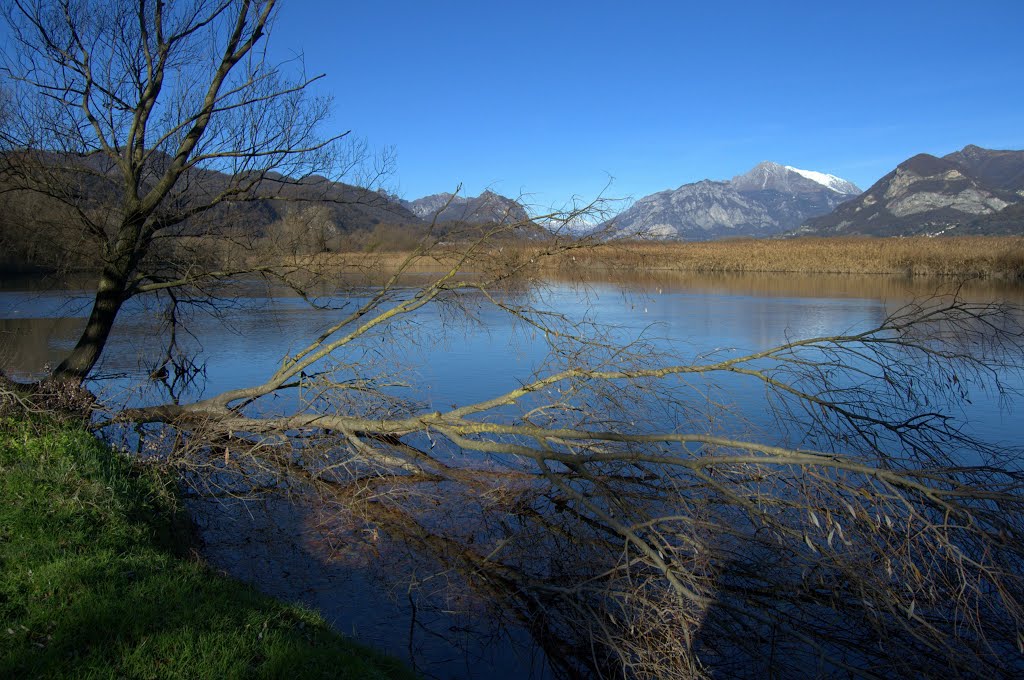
x: 96, y: 582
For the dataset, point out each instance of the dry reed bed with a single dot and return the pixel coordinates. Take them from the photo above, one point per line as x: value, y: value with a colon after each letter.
x: 998, y: 257
x: 964, y: 257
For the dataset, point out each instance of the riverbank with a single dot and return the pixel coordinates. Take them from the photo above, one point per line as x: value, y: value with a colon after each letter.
x: 960, y: 258
x: 955, y: 258
x: 98, y: 578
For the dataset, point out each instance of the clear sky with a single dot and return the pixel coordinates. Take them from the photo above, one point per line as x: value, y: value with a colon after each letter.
x: 555, y: 98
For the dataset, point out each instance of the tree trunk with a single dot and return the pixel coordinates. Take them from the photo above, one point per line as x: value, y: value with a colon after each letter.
x: 110, y: 295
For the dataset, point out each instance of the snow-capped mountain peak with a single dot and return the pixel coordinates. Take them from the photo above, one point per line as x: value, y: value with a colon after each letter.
x: 766, y: 200
x: 770, y: 176
x: 829, y: 181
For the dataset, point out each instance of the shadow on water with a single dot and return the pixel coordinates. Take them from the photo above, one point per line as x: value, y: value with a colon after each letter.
x: 367, y: 586
x: 33, y: 345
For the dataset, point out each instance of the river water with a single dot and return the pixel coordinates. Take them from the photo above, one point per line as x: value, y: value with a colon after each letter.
x: 446, y: 359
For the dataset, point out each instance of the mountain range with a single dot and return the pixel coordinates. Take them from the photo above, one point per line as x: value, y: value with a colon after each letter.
x: 487, y: 208
x: 971, y: 191
x: 310, y: 213
x: 768, y: 200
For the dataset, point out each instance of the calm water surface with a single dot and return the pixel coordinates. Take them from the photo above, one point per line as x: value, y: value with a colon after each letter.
x: 448, y: 361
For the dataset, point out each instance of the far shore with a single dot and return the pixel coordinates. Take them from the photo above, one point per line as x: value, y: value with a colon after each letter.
x: 956, y: 258
x: 967, y: 257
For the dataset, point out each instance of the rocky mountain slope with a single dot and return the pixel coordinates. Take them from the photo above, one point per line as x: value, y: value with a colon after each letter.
x: 971, y: 191
x: 487, y: 208
x: 767, y: 200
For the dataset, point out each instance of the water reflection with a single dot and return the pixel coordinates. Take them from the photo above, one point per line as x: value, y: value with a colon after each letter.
x: 282, y: 547
x: 31, y: 345
x: 366, y: 585
x: 876, y: 287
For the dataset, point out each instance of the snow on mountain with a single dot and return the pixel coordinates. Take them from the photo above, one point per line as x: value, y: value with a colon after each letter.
x: 768, y: 199
x: 829, y: 181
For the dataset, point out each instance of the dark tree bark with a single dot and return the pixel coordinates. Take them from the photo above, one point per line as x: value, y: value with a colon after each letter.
x: 114, y: 111
x: 110, y: 295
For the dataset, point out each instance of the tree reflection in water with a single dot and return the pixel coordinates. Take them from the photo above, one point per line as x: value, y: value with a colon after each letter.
x: 602, y: 508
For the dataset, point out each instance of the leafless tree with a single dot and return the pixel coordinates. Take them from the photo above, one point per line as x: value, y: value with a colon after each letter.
x: 127, y: 121
x: 598, y: 503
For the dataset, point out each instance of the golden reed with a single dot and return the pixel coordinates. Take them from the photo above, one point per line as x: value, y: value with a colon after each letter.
x: 964, y: 257
x: 967, y: 257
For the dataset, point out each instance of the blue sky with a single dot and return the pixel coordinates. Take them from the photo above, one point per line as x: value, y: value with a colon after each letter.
x: 553, y: 99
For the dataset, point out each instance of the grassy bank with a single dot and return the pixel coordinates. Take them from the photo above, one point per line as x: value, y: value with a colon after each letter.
x: 96, y: 580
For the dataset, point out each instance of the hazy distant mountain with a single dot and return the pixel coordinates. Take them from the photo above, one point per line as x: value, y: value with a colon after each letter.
x: 971, y: 191
x: 487, y: 208
x: 350, y: 207
x: 767, y: 200
x: 32, y: 225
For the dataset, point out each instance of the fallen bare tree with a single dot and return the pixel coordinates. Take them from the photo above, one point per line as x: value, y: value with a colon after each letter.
x: 866, y: 534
